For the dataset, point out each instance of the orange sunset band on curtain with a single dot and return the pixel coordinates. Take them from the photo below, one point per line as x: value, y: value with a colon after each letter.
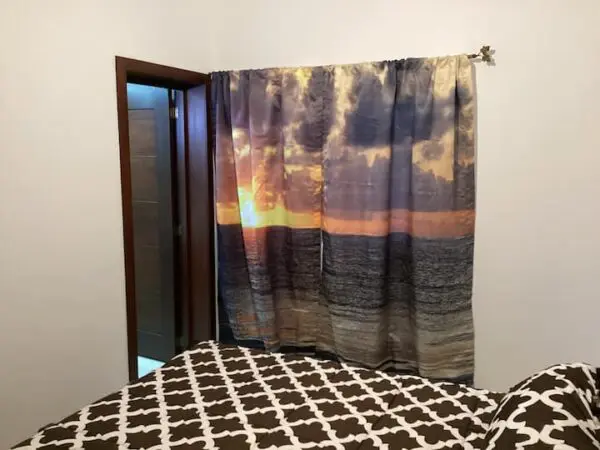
x: 416, y: 223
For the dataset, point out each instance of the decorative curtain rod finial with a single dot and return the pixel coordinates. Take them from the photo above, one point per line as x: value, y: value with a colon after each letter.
x: 485, y: 53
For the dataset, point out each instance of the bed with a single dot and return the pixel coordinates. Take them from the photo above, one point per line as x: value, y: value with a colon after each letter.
x: 227, y: 397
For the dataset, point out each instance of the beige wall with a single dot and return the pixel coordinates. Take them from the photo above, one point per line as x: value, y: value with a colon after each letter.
x: 62, y: 307
x: 62, y: 292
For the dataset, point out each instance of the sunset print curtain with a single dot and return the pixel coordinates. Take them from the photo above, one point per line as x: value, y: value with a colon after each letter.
x: 345, y: 208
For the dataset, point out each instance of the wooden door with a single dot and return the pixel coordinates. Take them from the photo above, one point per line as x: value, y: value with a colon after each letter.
x: 152, y: 181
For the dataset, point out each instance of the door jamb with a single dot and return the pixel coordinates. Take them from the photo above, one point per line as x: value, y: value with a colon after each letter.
x: 132, y: 70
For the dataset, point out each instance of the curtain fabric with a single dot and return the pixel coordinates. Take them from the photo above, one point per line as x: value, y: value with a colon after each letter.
x: 345, y: 208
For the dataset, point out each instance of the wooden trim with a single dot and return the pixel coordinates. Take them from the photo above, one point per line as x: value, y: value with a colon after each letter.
x: 131, y: 70
x: 201, y: 214
x: 211, y: 213
x: 127, y: 210
x: 156, y: 74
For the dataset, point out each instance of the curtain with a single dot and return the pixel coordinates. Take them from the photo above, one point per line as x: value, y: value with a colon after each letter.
x: 345, y: 208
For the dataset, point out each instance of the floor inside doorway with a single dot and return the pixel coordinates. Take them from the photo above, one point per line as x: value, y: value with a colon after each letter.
x: 147, y: 365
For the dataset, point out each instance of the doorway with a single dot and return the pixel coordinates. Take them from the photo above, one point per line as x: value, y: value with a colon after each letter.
x: 153, y: 197
x: 168, y: 210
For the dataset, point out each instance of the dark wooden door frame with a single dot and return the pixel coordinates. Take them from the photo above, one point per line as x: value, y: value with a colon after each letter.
x: 195, y: 167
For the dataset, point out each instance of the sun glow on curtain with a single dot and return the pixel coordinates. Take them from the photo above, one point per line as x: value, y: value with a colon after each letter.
x: 375, y: 163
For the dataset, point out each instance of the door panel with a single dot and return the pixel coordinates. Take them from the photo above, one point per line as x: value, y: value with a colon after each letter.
x: 154, y: 246
x: 143, y: 170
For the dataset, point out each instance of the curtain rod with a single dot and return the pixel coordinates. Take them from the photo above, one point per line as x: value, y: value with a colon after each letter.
x: 485, y: 53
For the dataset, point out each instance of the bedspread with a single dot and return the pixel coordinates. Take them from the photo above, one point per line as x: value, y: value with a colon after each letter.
x: 217, y: 396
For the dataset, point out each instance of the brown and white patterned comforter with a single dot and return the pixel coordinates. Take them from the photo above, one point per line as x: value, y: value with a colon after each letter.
x: 225, y: 397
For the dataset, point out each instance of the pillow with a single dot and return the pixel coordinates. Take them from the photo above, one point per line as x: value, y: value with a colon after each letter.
x: 554, y: 408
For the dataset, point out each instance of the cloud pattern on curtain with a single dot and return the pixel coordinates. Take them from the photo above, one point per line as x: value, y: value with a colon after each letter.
x: 345, y: 208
